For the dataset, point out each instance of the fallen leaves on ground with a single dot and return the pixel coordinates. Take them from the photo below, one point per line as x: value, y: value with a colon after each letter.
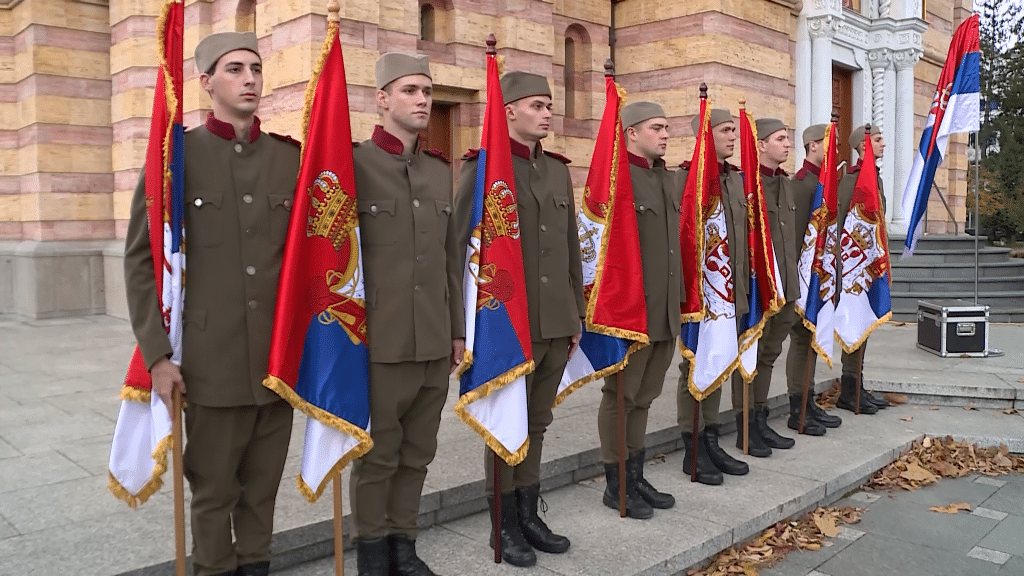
x: 929, y: 459
x: 1010, y: 411
x: 907, y: 418
x: 970, y: 407
x: 933, y: 407
x: 827, y: 399
x: 953, y: 508
x: 805, y: 533
x: 895, y: 399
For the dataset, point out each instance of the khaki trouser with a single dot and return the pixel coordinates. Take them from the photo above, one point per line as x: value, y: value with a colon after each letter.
x: 550, y: 358
x: 642, y: 381
x: 234, y: 458
x: 853, y: 363
x: 685, y: 402
x: 406, y: 399
x: 769, y: 346
x: 796, y: 360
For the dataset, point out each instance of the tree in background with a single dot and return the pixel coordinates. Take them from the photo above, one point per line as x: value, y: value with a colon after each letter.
x: 1001, y: 137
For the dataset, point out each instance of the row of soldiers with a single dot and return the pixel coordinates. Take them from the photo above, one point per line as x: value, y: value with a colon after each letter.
x: 239, y: 186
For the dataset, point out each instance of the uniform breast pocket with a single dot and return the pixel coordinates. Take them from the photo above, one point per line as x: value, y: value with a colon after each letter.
x: 562, y: 208
x: 280, y: 216
x: 377, y: 222
x: 203, y: 223
x: 643, y: 210
x: 676, y: 205
x: 444, y: 213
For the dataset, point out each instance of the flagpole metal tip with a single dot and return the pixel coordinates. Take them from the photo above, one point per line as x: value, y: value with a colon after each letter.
x: 609, y: 67
x: 492, y: 42
x: 333, y: 11
x: 743, y: 102
x: 703, y: 91
x: 867, y: 128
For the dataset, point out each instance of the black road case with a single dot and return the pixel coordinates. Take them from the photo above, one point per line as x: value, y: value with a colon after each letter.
x: 952, y: 327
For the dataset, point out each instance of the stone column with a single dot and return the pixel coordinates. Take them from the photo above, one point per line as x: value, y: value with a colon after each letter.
x: 821, y: 29
x: 803, y: 89
x: 883, y: 107
x: 904, y: 147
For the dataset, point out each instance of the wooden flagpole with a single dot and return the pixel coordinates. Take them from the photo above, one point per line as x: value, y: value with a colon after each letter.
x: 807, y: 384
x: 496, y: 508
x: 177, y: 443
x: 621, y: 417
x: 339, y: 534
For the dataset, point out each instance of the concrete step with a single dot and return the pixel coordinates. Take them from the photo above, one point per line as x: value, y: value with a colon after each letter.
x: 956, y: 285
x: 1009, y: 300
x: 1012, y: 268
x: 995, y: 315
x: 964, y: 256
x: 938, y: 242
x: 934, y: 388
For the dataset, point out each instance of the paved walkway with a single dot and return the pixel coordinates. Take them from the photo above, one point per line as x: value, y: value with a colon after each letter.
x: 898, y: 534
x: 59, y: 381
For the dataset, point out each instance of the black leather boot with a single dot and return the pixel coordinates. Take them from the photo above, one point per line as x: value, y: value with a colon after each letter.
x: 829, y: 420
x: 636, y: 507
x: 770, y: 437
x: 706, y: 471
x: 812, y: 427
x: 719, y: 457
x: 254, y: 569
x: 372, y: 556
x: 848, y: 397
x: 649, y: 493
x: 756, y: 447
x: 534, y: 529
x: 879, y: 403
x: 404, y: 561
x: 514, y: 548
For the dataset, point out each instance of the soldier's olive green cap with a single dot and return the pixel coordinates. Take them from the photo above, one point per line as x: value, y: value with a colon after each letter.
x: 393, y: 65
x: 637, y: 112
x: 211, y: 48
x: 718, y: 116
x: 814, y: 133
x: 857, y: 136
x: 767, y: 126
x: 517, y: 85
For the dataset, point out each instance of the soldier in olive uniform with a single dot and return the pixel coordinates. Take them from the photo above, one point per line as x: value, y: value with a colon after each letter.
x: 711, y: 459
x: 239, y: 184
x: 414, y: 314
x: 803, y: 187
x: 554, y: 292
x: 656, y: 199
x: 853, y: 363
x: 773, y: 149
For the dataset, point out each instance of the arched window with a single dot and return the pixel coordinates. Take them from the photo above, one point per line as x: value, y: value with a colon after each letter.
x: 570, y: 78
x: 428, y: 25
x: 245, y: 16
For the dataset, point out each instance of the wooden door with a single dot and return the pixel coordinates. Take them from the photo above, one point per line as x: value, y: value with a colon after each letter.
x: 842, y: 101
x: 438, y: 134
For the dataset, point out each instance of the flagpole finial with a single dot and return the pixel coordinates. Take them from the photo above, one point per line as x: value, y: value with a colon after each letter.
x: 835, y: 115
x: 743, y: 102
x: 703, y: 91
x: 867, y: 128
x: 492, y: 42
x: 333, y: 11
x: 609, y: 68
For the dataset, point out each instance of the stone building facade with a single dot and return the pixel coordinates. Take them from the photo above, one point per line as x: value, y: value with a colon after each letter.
x: 77, y: 78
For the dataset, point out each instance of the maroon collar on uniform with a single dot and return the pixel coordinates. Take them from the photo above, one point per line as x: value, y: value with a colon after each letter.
x: 766, y: 171
x: 855, y: 168
x: 639, y: 161
x: 520, y: 149
x: 387, y: 141
x: 809, y: 167
x: 226, y: 131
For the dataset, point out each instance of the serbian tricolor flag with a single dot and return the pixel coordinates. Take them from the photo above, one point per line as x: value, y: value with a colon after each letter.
x: 319, y: 361
x: 765, y: 295
x: 864, y: 302
x: 492, y: 376
x: 955, y: 108
x: 708, y: 338
x: 817, y: 266
x: 142, y: 435
x: 613, y: 278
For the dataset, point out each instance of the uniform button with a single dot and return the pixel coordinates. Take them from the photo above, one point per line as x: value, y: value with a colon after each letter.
x: 287, y: 203
x: 373, y: 209
x: 250, y: 270
x: 641, y: 208
x: 534, y: 164
x: 416, y: 287
x: 544, y: 279
x: 671, y: 251
x: 416, y: 203
x: 409, y: 161
x: 250, y: 232
x: 419, y: 259
x: 252, y: 304
x: 543, y: 228
x: 198, y: 202
x: 238, y: 147
x: 247, y: 198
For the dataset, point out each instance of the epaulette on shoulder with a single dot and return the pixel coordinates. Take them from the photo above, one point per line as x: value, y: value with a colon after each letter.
x: 286, y: 138
x: 437, y: 154
x: 800, y: 174
x: 471, y: 154
x: 685, y: 165
x: 558, y: 157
